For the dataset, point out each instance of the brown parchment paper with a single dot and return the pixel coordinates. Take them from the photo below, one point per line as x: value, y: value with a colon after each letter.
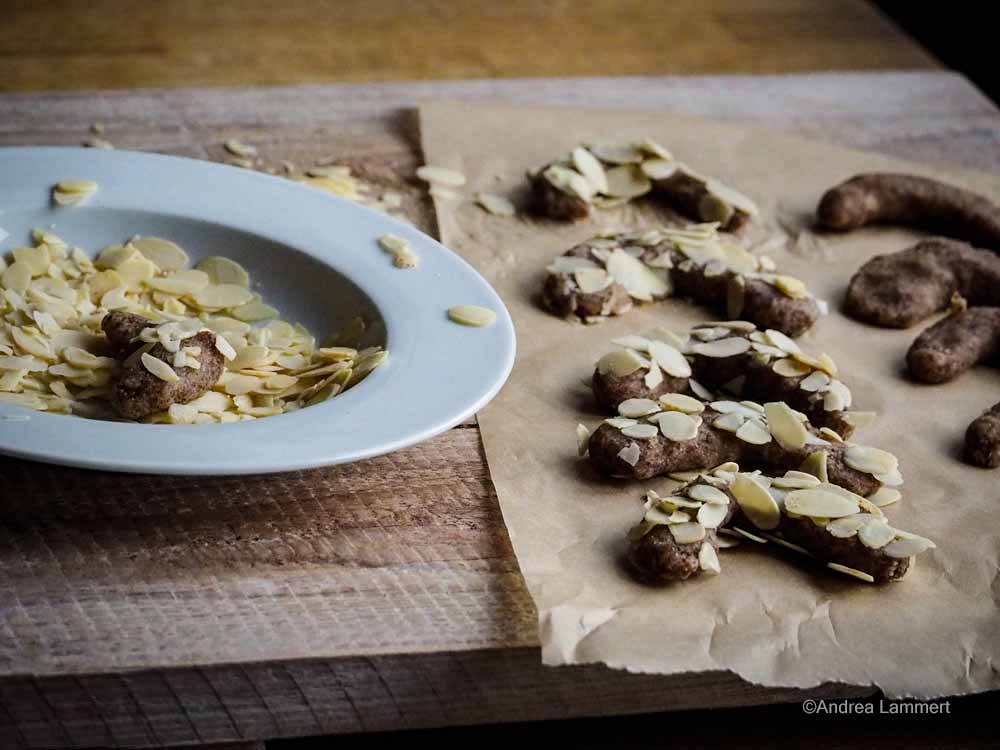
x: 768, y: 618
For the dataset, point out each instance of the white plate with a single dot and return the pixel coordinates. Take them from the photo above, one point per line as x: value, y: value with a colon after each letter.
x: 311, y: 255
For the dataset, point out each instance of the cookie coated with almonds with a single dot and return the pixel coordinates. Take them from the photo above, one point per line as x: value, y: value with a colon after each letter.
x: 606, y: 275
x: 681, y: 534
x: 139, y: 392
x: 731, y: 356
x: 608, y: 174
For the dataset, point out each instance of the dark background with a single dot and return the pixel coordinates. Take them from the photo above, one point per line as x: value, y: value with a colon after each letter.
x: 962, y: 35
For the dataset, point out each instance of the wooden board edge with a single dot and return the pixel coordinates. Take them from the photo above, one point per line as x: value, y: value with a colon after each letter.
x: 230, y: 703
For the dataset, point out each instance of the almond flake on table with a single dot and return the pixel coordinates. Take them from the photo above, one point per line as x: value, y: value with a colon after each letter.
x: 237, y: 148
x: 495, y: 204
x: 441, y: 176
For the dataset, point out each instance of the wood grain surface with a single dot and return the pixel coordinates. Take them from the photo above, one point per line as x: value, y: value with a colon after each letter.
x: 138, y: 611
x: 66, y: 44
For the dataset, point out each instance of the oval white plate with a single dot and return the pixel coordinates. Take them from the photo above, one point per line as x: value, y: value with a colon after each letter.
x: 314, y: 257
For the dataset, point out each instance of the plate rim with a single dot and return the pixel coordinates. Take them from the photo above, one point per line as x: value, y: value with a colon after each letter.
x: 362, y: 269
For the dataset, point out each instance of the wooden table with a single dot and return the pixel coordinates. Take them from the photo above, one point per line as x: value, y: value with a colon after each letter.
x: 62, y: 44
x: 376, y: 596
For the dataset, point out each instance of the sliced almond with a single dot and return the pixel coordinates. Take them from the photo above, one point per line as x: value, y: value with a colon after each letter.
x: 707, y: 494
x: 495, y: 204
x: 853, y: 572
x: 221, y: 296
x: 740, y: 326
x: 592, y: 280
x: 36, y: 258
x: 616, y: 153
x: 818, y: 503
x: 847, y: 526
x: 730, y: 422
x: 441, y: 176
x: 588, y: 165
x: 708, y: 560
x: 237, y: 148
x: 167, y: 255
x: 747, y: 535
x: 159, y: 368
x: 699, y: 390
x: 780, y: 340
x: 471, y: 315
x: 222, y: 270
x: 641, y: 431
x: 870, y: 460
x: 76, y: 186
x: 876, y: 534
x: 884, y: 496
x: 837, y: 397
x: 637, y: 407
x: 17, y: 277
x: 180, y: 282
x: 626, y: 181
x: 889, y: 479
x: 753, y: 432
x: 658, y: 169
x: 687, y: 533
x: 907, y: 546
x: 654, y: 377
x: 798, y: 481
x: 680, y: 402
x: 582, y: 440
x: 669, y: 359
x: 621, y: 422
x: 733, y: 197
x: 677, y: 340
x: 253, y: 311
x: 756, y: 502
x: 569, y: 181
x: 677, y: 426
x: 815, y: 464
x: 721, y: 348
x: 630, y: 454
x: 640, y: 281
x: 790, y: 368
x: 621, y: 363
x: 786, y: 428
x: 711, y: 515
x: 631, y: 341
x: 791, y: 287
x: 816, y: 381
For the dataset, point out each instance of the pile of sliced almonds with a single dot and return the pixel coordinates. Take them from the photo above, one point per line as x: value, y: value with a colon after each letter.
x: 662, y: 351
x: 53, y: 351
x: 609, y: 174
x: 702, y: 504
x: 641, y: 261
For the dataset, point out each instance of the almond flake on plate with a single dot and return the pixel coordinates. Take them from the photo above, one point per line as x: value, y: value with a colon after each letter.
x: 471, y: 315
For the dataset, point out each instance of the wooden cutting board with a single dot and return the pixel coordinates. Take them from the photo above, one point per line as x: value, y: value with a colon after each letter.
x: 141, y: 610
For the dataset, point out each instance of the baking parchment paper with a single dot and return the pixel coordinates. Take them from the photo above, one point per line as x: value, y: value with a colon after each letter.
x: 768, y: 617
